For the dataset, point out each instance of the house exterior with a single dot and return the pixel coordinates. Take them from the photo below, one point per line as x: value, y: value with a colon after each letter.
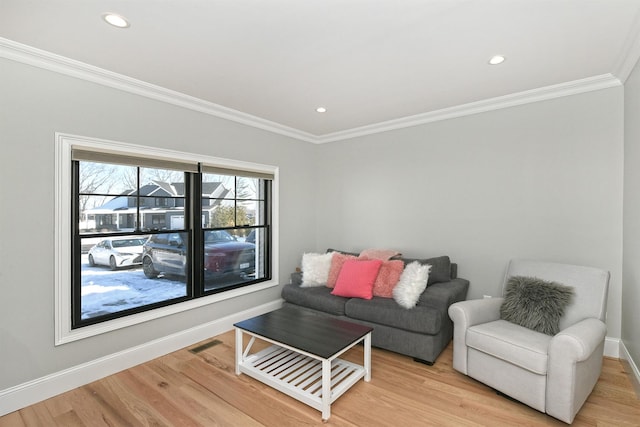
x: 161, y: 207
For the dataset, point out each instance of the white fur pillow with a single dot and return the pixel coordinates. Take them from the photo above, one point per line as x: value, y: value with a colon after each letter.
x: 315, y: 269
x: 412, y: 283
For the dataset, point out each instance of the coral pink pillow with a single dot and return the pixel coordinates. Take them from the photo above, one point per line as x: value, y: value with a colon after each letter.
x: 356, y: 278
x: 336, y: 265
x: 387, y: 279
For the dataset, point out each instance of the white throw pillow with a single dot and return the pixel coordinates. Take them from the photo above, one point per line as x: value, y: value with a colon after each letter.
x: 315, y: 269
x: 412, y: 283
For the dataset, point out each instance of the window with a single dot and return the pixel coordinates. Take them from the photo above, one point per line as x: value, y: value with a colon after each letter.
x: 153, y: 233
x: 234, y: 213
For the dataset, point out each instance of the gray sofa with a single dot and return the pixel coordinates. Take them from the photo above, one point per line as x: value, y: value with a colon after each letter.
x: 421, y: 332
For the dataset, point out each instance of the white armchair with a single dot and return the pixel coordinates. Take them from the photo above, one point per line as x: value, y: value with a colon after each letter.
x: 553, y: 374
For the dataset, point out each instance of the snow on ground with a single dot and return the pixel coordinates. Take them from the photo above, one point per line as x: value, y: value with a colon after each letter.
x: 105, y: 291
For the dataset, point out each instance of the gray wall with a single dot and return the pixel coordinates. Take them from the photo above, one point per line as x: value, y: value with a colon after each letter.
x: 34, y: 104
x: 541, y: 181
x: 631, y: 262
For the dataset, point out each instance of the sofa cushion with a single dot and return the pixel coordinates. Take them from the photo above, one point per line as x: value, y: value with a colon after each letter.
x: 440, y: 267
x: 356, y: 254
x: 512, y: 343
x: 317, y: 298
x: 356, y: 278
x: 385, y: 311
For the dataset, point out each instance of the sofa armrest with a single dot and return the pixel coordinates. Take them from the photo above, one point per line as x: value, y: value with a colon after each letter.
x: 296, y: 278
x: 454, y: 270
x: 443, y: 294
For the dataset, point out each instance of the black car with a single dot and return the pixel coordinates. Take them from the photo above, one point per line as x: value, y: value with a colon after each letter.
x: 223, y: 254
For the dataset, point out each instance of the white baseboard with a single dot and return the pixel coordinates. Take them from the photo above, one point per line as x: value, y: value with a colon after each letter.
x: 612, y: 347
x: 37, y: 390
x: 630, y: 368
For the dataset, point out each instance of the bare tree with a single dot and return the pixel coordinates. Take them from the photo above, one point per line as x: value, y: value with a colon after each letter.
x: 95, y: 178
x: 164, y: 175
x: 129, y: 178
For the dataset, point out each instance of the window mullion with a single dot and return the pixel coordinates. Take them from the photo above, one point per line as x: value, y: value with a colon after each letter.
x: 138, y: 216
x: 194, y: 215
x: 75, y: 242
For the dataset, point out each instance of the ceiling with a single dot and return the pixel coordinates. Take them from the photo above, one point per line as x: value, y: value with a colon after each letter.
x: 371, y: 63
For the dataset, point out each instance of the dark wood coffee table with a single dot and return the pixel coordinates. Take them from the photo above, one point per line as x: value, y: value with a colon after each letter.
x: 303, y: 360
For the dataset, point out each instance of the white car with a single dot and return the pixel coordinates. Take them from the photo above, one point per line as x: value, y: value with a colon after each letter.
x: 117, y: 252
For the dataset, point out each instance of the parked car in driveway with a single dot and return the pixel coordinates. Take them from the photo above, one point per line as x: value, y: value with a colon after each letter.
x: 167, y: 254
x: 117, y: 252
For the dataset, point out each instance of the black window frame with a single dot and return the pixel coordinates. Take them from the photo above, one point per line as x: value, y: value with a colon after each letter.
x: 193, y: 211
x: 200, y: 231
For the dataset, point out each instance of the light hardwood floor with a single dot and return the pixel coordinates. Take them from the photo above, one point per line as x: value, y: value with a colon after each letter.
x: 188, y: 388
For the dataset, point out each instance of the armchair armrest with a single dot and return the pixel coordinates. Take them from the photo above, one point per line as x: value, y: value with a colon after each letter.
x: 575, y: 363
x: 578, y: 341
x: 464, y: 315
x: 474, y: 312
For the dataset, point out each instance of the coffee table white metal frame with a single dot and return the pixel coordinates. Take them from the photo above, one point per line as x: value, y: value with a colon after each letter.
x: 311, y: 379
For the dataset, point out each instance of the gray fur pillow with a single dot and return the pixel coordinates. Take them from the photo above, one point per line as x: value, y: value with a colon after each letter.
x: 535, y: 303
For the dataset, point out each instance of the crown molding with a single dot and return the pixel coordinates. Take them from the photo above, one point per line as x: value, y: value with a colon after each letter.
x: 70, y: 67
x: 589, y: 84
x: 630, y: 52
x: 60, y: 64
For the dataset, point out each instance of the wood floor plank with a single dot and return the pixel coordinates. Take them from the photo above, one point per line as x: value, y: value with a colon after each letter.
x: 13, y: 419
x: 109, y: 403
x: 207, y: 407
x: 200, y: 388
x: 37, y: 415
x: 68, y: 419
x: 141, y: 389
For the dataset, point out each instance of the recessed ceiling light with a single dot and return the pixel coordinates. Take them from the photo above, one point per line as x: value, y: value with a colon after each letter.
x: 116, y: 20
x: 321, y: 110
x: 497, y: 59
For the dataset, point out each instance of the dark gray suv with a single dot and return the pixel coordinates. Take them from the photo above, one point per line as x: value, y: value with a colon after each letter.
x: 167, y: 254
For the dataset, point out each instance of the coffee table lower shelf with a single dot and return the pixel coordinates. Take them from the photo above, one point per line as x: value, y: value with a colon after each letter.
x: 302, y: 376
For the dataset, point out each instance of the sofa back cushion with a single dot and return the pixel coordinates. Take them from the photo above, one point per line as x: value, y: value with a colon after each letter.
x: 440, y: 268
x: 344, y: 252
